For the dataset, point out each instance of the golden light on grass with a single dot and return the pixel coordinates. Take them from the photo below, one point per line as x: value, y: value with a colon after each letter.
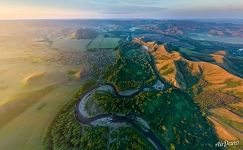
x: 221, y: 131
x: 35, y: 76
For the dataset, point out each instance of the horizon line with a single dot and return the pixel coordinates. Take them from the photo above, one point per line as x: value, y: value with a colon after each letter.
x: 118, y: 18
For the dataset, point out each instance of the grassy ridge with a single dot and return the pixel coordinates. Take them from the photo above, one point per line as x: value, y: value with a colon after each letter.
x: 203, y: 76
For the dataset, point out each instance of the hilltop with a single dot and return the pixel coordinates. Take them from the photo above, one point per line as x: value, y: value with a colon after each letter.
x: 213, y: 88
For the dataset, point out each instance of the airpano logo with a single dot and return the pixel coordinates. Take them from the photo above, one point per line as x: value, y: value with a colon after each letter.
x: 227, y: 143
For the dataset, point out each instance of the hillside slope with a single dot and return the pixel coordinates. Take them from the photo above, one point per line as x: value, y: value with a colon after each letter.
x: 218, y: 92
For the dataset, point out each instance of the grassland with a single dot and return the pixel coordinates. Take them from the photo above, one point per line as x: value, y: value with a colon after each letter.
x: 231, y: 84
x: 71, y: 44
x: 34, y: 84
x: 19, y: 103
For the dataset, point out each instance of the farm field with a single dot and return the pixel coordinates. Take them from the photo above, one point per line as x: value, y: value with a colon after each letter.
x: 102, y: 42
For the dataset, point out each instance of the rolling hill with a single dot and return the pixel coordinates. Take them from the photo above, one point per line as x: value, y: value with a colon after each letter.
x: 218, y: 92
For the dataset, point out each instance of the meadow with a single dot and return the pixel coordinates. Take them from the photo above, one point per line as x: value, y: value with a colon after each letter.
x: 34, y: 82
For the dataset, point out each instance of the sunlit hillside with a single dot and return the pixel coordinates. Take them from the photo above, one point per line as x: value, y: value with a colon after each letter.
x: 218, y: 92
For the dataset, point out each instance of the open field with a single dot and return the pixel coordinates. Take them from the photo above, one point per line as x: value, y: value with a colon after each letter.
x: 70, y: 44
x: 102, y: 42
x: 34, y: 83
x: 26, y: 128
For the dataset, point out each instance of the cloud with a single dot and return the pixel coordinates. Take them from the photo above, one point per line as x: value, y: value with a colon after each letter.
x: 125, y: 2
x: 232, y: 12
x: 122, y: 8
x: 133, y: 10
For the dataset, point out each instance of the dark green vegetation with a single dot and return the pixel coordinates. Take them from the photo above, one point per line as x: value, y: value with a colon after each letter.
x: 66, y: 124
x: 187, y: 77
x: 132, y: 68
x: 67, y: 133
x: 171, y: 114
x: 128, y: 138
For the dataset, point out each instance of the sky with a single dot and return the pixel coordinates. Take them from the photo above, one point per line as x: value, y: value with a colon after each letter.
x: 155, y: 9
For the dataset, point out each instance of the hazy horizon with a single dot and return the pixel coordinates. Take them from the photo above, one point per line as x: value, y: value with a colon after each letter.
x: 133, y: 9
x: 126, y: 19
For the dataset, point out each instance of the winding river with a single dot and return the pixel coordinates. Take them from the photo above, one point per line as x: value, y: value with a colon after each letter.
x: 109, y: 119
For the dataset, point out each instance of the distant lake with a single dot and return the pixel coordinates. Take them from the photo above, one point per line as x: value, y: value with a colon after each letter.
x: 223, y: 39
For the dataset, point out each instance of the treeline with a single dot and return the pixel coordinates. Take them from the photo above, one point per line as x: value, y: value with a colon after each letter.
x: 66, y: 133
x: 113, y: 104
